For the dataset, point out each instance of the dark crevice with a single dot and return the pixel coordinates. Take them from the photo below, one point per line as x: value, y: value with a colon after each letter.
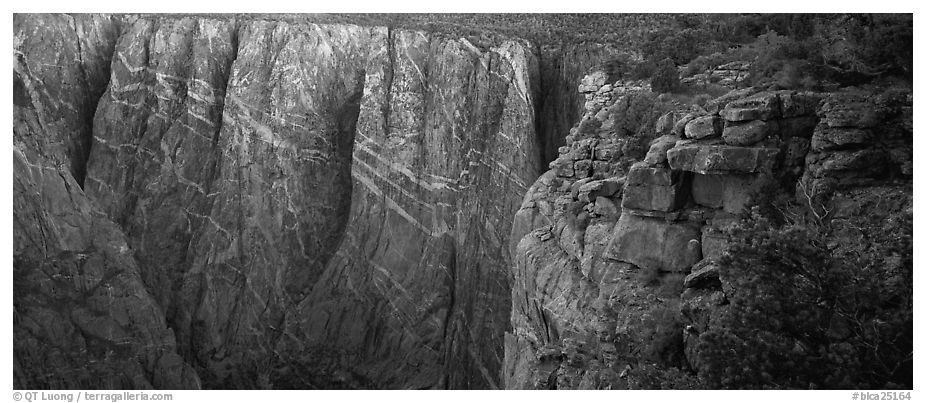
x: 94, y: 87
x: 543, y: 160
x: 348, y: 114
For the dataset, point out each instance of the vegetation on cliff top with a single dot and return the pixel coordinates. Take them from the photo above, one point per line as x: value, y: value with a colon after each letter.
x: 791, y: 51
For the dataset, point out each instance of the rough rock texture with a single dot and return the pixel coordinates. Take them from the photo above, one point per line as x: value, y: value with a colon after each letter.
x: 598, y: 296
x: 846, y: 149
x: 286, y: 188
x: 652, y: 243
x: 439, y: 172
x: 83, y: 317
x: 566, y: 285
x: 206, y: 202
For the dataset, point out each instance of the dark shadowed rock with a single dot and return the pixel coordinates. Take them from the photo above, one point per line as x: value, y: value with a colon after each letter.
x: 802, y: 126
x: 795, y: 104
x: 729, y: 192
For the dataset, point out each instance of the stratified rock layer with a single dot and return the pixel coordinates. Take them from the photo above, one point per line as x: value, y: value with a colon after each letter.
x: 601, y: 294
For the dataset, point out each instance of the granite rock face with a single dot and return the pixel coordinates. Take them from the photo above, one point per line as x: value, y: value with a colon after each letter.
x: 282, y: 188
x: 215, y: 202
x: 83, y: 317
x: 445, y: 150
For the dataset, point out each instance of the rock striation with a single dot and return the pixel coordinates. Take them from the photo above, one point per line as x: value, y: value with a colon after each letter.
x: 248, y: 202
x: 83, y: 316
x: 278, y: 189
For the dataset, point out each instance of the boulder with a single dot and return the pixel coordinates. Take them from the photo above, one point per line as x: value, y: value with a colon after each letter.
x: 717, y: 104
x: 655, y: 244
x: 761, y: 106
x: 600, y: 188
x: 659, y: 148
x: 679, y: 128
x: 705, y: 274
x: 721, y: 159
x: 704, y: 127
x: 749, y: 133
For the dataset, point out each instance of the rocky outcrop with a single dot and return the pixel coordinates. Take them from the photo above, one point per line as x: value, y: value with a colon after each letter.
x: 562, y: 67
x: 730, y: 75
x: 601, y: 293
x: 863, y: 138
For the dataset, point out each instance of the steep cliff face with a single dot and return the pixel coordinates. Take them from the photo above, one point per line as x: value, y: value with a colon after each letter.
x: 267, y: 189
x: 616, y: 246
x: 445, y: 146
x: 82, y: 314
x: 222, y: 148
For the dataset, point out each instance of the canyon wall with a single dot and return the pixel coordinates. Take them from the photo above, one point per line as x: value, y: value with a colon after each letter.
x: 82, y: 314
x: 205, y: 201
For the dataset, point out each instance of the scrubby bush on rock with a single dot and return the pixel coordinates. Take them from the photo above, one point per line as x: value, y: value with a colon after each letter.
x: 812, y: 309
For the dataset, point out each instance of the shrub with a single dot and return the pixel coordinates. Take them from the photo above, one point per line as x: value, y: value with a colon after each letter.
x: 651, y: 376
x: 642, y: 70
x: 807, y: 314
x: 665, y: 77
